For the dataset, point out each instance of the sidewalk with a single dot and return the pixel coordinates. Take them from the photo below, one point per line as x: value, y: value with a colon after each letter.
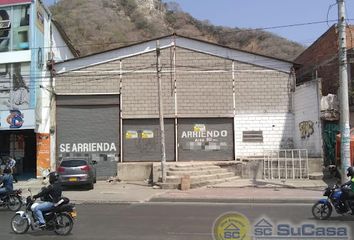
x: 237, y: 191
x: 103, y: 192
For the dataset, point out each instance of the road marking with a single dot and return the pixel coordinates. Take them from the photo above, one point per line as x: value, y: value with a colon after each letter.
x: 189, y: 234
x: 226, y: 204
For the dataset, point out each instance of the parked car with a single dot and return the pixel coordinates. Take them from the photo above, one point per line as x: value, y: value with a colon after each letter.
x: 77, y: 171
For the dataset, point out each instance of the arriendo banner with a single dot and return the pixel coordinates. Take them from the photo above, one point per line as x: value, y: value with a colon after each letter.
x: 9, y: 2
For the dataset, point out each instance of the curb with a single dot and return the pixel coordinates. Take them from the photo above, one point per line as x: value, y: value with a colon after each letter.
x: 314, y: 188
x: 79, y: 202
x: 234, y: 200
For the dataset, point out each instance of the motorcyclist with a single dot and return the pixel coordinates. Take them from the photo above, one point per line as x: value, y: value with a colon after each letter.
x: 11, y: 163
x: 49, y: 195
x: 348, y: 189
x: 7, y: 182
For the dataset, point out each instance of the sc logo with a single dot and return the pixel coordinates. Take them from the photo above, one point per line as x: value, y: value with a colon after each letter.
x: 232, y: 235
x: 263, y: 232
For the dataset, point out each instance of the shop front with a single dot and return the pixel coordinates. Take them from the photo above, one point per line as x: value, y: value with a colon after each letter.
x: 18, y: 140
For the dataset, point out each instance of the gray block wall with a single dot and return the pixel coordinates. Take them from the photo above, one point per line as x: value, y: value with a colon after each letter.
x: 204, y: 85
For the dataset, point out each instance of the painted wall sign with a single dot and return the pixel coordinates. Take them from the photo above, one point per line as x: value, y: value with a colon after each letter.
x: 201, y: 134
x: 204, y: 134
x: 16, y: 119
x: 14, y: 86
x: 87, y: 147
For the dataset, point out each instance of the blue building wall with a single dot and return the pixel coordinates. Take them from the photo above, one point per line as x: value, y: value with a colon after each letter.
x: 22, y: 67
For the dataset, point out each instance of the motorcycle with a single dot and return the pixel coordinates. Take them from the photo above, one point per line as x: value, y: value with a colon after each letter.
x: 322, y: 209
x: 12, y: 200
x: 60, y: 219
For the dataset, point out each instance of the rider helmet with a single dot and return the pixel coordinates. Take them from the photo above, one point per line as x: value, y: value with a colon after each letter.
x: 350, y: 172
x: 53, y: 177
x: 7, y: 170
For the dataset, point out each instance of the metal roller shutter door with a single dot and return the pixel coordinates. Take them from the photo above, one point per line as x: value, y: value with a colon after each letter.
x: 91, y: 131
x: 142, y: 140
x: 205, y: 139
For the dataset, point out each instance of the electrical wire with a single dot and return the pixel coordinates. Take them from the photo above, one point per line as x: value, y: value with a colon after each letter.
x: 125, y: 43
x: 329, y: 8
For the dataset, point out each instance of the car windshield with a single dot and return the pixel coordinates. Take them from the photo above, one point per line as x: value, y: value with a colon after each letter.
x: 73, y: 163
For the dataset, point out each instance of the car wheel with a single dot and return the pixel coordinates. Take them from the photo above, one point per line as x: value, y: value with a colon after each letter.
x: 90, y: 186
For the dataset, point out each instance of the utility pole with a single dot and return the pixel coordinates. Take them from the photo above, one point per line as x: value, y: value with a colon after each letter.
x: 162, y: 124
x: 343, y: 82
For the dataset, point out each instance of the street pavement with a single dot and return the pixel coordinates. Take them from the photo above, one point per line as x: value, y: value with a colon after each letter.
x: 237, y: 191
x: 175, y: 221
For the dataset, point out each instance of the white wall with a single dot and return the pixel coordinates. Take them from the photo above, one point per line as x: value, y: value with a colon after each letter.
x: 277, y: 132
x: 61, y: 52
x: 60, y: 49
x: 306, y: 110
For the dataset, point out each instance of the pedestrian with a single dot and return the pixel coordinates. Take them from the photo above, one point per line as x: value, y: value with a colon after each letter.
x: 11, y: 164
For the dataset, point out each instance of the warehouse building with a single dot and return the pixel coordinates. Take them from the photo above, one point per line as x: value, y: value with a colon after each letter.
x: 219, y: 104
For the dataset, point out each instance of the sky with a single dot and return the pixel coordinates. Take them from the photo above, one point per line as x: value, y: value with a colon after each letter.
x: 267, y: 14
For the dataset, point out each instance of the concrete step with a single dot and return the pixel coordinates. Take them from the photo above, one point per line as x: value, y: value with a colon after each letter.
x: 188, y: 168
x: 316, y: 176
x: 200, y: 178
x: 195, y: 172
x: 198, y: 184
x: 194, y: 164
x: 215, y: 181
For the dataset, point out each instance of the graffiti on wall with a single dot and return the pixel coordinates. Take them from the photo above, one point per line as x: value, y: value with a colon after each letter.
x: 306, y: 129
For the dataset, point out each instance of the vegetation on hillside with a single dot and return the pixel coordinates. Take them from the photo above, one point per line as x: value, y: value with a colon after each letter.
x: 95, y: 26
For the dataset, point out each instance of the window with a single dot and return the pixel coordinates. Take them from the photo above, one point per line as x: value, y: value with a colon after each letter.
x: 252, y: 136
x: 14, y: 28
x: 73, y: 163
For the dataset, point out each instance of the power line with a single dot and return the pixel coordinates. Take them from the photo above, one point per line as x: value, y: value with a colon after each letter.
x: 124, y: 43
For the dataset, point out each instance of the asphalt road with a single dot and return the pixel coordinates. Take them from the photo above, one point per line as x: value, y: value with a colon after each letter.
x: 169, y: 221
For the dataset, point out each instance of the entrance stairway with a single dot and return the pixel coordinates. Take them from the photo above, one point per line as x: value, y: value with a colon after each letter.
x: 200, y: 174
